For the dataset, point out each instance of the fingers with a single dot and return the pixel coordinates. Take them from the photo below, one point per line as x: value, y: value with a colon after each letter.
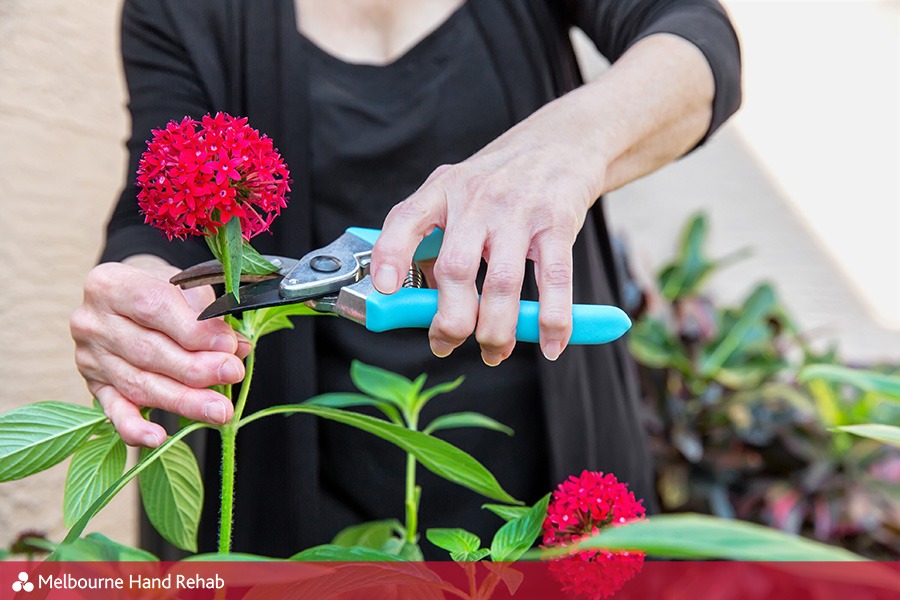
x: 486, y: 211
x: 137, y: 344
x: 127, y: 419
x: 403, y: 229
x: 149, y: 389
x: 499, y: 308
x: 156, y: 305
x: 152, y: 351
x: 553, y: 271
x: 454, y: 272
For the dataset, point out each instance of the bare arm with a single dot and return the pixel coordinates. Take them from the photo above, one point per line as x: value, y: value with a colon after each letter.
x: 526, y: 194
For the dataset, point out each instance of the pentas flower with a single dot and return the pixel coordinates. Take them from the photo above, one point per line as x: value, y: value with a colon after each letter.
x: 196, y: 175
x: 581, y: 507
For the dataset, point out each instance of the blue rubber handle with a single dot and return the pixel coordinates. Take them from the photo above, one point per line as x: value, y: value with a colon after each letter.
x: 414, y: 307
x: 428, y: 247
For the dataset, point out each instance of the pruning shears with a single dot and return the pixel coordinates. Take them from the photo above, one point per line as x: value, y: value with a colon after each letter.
x: 335, y: 279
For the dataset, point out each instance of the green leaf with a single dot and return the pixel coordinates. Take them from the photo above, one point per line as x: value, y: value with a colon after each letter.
x: 652, y: 345
x: 750, y: 374
x: 254, y: 263
x: 684, y: 277
x: 143, y: 464
x: 172, y: 494
x: 694, y: 536
x: 470, y: 556
x: 462, y: 545
x: 870, y: 381
x: 889, y: 434
x: 517, y: 536
x: 436, y: 455
x: 505, y: 512
x: 94, y: 469
x: 228, y: 248
x: 95, y: 546
x: 382, y: 384
x: 758, y: 305
x: 512, y: 578
x: 408, y: 551
x: 457, y: 542
x: 373, y: 534
x: 264, y: 321
x: 332, y: 553
x: 441, y: 388
x: 342, y: 400
x: 38, y: 436
x: 466, y: 419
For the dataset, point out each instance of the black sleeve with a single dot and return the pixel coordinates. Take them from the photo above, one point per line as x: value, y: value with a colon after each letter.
x: 162, y: 85
x: 615, y: 25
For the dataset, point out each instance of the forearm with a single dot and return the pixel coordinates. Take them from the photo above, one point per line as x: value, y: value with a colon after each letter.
x: 653, y: 105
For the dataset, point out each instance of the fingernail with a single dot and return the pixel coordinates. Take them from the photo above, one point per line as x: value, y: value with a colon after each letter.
x: 490, y: 360
x: 386, y: 279
x: 440, y: 348
x: 552, y: 350
x: 214, y: 412
x: 229, y: 372
x: 224, y: 343
x: 151, y: 440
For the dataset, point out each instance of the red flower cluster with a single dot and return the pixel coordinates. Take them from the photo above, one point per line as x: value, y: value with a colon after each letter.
x: 194, y: 180
x: 581, y: 507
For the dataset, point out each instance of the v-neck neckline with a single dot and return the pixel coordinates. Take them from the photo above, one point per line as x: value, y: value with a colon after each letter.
x: 420, y: 46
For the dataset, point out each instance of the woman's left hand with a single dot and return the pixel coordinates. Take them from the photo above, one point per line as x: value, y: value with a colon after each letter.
x: 526, y: 195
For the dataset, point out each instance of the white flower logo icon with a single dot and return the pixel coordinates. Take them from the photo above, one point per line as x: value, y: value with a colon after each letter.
x: 22, y: 583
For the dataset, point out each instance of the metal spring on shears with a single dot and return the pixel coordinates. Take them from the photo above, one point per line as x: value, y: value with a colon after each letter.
x: 414, y: 277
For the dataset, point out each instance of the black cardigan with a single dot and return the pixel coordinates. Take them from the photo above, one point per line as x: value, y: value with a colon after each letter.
x: 190, y: 58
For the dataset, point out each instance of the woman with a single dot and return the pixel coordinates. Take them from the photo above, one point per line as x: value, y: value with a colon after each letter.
x: 367, y: 99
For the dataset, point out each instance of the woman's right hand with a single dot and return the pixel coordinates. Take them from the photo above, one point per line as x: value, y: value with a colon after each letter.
x: 138, y: 343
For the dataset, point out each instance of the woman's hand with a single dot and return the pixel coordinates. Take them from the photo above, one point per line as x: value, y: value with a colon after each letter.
x: 138, y: 344
x: 526, y: 195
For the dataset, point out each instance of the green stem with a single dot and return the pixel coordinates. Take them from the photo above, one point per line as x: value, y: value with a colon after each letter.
x: 229, y: 447
x: 412, y: 516
x: 226, y: 510
x: 412, y: 492
x: 245, y: 387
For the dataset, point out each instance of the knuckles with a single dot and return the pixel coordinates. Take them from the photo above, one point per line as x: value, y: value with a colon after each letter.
x: 452, y: 328
x: 134, y: 385
x: 556, y: 275
x: 504, y: 280
x: 196, y: 374
x: 451, y: 266
x: 82, y: 324
x: 101, y: 279
x: 555, y: 320
x: 153, y: 304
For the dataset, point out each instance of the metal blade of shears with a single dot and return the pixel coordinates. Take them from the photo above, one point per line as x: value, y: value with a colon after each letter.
x: 256, y: 295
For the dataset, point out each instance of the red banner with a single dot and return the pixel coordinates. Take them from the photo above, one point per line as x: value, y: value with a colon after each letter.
x: 437, y: 580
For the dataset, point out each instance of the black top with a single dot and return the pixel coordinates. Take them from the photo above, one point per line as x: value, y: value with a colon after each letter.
x: 377, y: 132
x: 245, y: 57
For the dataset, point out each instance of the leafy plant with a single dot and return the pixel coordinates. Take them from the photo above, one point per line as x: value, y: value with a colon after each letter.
x: 736, y: 433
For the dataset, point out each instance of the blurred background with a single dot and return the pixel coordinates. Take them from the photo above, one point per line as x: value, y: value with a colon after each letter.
x: 806, y: 176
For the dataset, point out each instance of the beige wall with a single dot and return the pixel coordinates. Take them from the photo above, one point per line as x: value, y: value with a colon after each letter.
x: 62, y: 124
